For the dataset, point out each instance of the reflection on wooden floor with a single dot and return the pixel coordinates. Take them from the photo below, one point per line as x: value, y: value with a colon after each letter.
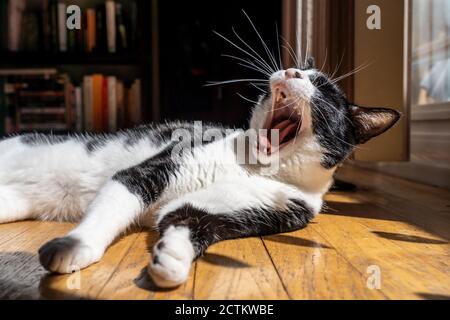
x: 395, y: 236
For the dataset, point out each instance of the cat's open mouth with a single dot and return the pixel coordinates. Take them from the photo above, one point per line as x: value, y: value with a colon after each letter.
x: 285, y: 117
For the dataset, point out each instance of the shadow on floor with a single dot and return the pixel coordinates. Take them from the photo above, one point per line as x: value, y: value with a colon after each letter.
x: 431, y: 296
x: 373, y: 211
x: 23, y: 278
x: 282, y: 238
x: 407, y: 238
x: 144, y: 281
x: 224, y: 261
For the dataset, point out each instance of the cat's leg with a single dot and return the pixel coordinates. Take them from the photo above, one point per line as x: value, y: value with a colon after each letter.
x: 113, y: 210
x: 118, y: 205
x: 225, y: 210
x: 13, y: 205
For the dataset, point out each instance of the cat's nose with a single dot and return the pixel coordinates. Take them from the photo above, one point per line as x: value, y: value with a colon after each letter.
x: 292, y: 73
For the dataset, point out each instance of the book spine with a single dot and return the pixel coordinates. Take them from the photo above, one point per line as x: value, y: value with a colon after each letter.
x: 3, y: 25
x: 62, y: 30
x: 91, y: 30
x: 120, y: 103
x: 88, y: 106
x: 122, y: 39
x: 100, y: 24
x: 134, y: 24
x: 53, y: 12
x: 46, y: 32
x: 78, y: 97
x: 2, y: 107
x: 111, y: 25
x: 97, y: 101
x: 105, y: 104
x: 68, y: 102
x: 15, y: 14
x: 136, y: 109
x: 112, y: 104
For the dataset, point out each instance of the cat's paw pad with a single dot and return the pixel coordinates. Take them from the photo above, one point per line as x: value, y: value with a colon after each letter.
x: 66, y: 255
x: 171, y: 261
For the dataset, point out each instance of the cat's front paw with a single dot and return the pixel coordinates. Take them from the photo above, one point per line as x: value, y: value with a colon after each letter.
x: 171, y: 261
x: 66, y: 255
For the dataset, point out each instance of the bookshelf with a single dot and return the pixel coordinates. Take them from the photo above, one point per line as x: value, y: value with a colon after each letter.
x: 38, y: 59
x: 127, y: 64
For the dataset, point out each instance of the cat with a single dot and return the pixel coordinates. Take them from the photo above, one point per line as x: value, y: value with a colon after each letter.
x: 194, y: 198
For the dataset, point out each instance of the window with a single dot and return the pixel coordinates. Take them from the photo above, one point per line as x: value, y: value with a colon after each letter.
x: 430, y: 73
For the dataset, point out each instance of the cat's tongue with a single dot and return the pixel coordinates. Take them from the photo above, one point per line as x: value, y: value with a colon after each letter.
x: 281, y: 119
x: 287, y: 129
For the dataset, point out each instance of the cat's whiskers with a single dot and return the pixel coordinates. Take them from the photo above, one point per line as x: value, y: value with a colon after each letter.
x: 260, y: 89
x: 324, y: 60
x: 331, y: 106
x: 299, y: 125
x: 248, y: 66
x: 331, y: 131
x: 278, y: 45
x: 291, y: 52
x: 266, y: 48
x: 358, y: 69
x: 216, y: 83
x: 286, y: 106
x: 246, y: 99
x: 306, y: 52
x: 253, y: 50
x: 262, y: 63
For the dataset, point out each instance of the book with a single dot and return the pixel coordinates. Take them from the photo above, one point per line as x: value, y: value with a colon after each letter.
x: 134, y: 103
x: 62, y: 29
x: 112, y: 104
x: 3, y: 25
x: 111, y: 25
x: 15, y: 15
x: 68, y: 102
x: 53, y: 25
x: 88, y: 103
x: 120, y: 104
x: 105, y: 106
x: 32, y: 25
x: 100, y: 27
x: 45, y: 20
x: 40, y: 100
x: 30, y: 36
x: 78, y: 102
x: 97, y: 89
x: 91, y: 41
x: 80, y: 36
x: 122, y: 39
x: 134, y: 24
x: 2, y: 107
x: 28, y: 72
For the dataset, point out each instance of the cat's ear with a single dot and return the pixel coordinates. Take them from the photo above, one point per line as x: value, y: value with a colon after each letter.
x: 371, y: 122
x: 310, y: 63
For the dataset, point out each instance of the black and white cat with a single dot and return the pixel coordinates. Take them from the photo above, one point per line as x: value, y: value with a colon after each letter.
x: 196, y: 197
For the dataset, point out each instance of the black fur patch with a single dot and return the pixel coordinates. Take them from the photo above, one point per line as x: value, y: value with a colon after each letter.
x: 331, y: 121
x: 206, y: 229
x: 149, y: 178
x: 36, y: 139
x: 48, y: 250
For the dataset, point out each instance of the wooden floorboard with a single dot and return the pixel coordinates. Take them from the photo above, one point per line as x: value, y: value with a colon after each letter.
x: 239, y: 269
x: 400, y: 227
x: 311, y: 268
x: 130, y: 280
x: 404, y: 273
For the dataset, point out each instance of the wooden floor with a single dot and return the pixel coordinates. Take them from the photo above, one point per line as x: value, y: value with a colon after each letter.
x: 400, y: 231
